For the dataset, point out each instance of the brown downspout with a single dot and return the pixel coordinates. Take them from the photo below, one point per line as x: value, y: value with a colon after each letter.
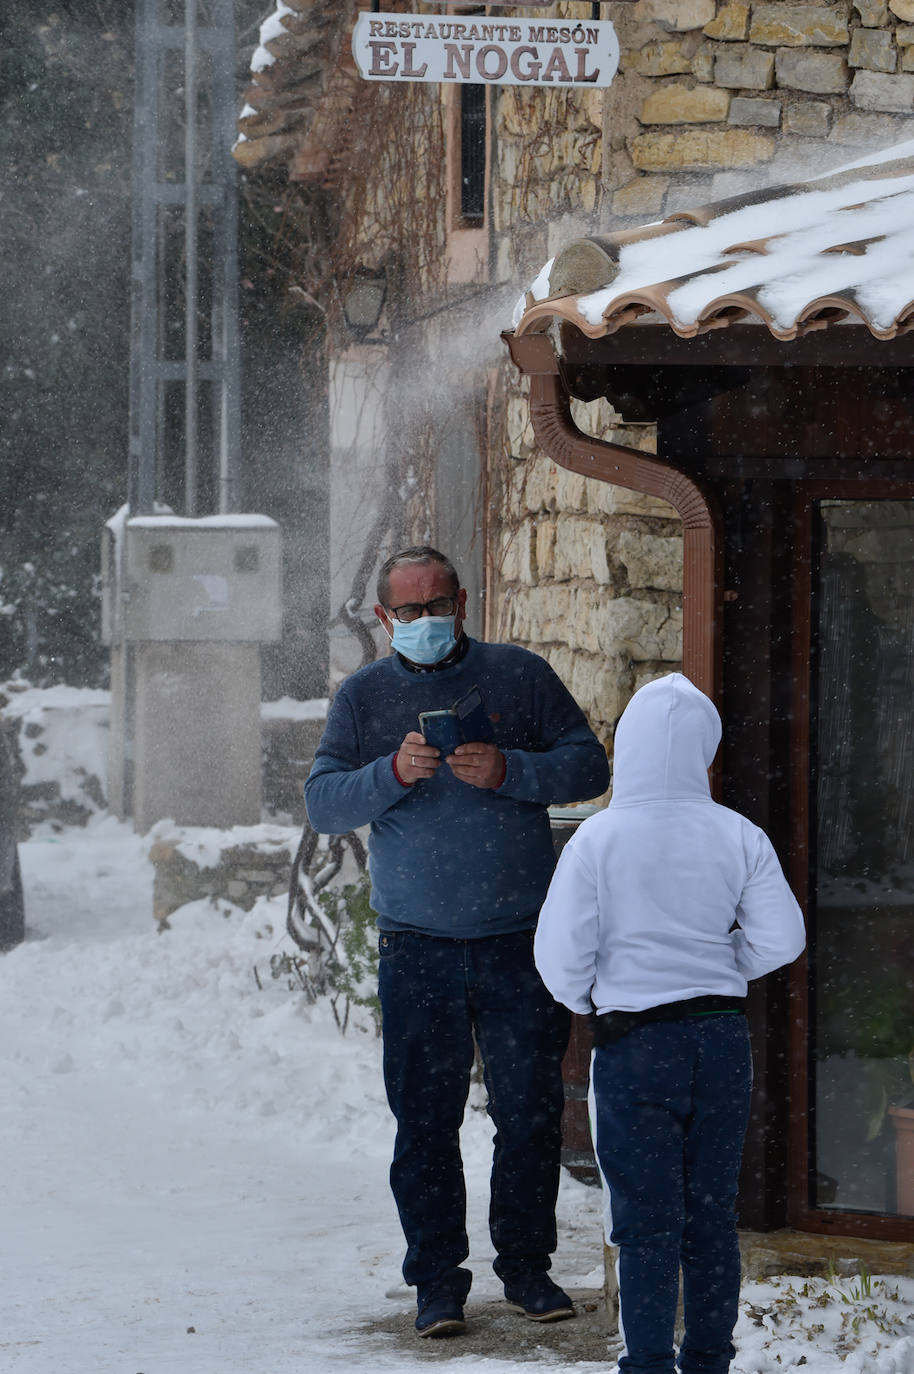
x: 567, y: 445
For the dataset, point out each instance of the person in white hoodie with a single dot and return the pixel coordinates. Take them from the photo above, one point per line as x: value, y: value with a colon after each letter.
x: 661, y: 909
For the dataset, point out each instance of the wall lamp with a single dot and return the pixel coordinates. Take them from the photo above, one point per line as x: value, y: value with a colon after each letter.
x: 363, y: 300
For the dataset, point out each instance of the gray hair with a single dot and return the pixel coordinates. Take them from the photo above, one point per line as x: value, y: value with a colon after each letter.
x: 419, y: 554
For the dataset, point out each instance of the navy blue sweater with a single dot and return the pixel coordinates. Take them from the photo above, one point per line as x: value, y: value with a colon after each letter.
x: 447, y: 858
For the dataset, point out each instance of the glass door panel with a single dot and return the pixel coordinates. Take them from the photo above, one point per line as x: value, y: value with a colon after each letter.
x: 862, y: 857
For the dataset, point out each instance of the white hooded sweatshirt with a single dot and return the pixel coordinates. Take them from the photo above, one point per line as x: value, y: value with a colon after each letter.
x: 642, y: 906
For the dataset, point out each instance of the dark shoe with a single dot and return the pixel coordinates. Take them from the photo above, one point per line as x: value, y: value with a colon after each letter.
x: 441, y: 1317
x: 539, y: 1298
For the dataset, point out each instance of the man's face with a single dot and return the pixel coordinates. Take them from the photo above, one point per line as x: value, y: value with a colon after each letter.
x: 418, y: 583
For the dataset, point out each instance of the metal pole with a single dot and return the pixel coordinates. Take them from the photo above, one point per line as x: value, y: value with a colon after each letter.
x: 144, y: 307
x: 190, y: 249
x: 226, y: 344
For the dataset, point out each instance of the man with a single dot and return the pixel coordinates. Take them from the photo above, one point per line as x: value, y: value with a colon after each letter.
x: 460, y: 860
x: 661, y: 908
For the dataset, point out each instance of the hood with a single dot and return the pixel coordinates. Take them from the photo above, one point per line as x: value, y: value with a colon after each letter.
x: 665, y: 741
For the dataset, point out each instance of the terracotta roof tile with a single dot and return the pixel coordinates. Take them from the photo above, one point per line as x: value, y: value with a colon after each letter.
x: 299, y: 102
x: 793, y: 258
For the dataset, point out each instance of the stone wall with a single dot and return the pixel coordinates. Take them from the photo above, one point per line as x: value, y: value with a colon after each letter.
x: 289, y: 744
x: 235, y: 867
x: 59, y: 738
x: 712, y: 97
x: 587, y: 574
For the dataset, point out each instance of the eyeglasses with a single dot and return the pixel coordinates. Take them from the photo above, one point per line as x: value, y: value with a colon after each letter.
x: 439, y: 605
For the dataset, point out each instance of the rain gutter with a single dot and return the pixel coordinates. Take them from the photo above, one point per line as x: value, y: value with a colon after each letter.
x: 702, y: 528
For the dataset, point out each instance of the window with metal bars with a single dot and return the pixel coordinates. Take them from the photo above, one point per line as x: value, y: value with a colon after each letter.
x: 472, y: 155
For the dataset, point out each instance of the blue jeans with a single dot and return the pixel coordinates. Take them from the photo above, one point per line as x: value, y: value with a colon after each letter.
x: 672, y: 1104
x: 436, y: 995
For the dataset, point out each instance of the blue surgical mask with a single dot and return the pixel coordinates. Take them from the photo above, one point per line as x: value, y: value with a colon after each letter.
x: 426, y: 640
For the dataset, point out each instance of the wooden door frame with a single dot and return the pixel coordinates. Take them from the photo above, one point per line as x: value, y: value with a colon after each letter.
x: 801, y: 1214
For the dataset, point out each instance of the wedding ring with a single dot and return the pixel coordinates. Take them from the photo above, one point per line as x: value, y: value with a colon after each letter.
x: 412, y: 759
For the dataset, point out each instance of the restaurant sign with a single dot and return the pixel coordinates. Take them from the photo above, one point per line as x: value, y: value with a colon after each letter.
x: 485, y: 49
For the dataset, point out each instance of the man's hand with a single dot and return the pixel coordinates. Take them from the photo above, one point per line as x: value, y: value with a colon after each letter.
x: 481, y: 765
x: 416, y: 759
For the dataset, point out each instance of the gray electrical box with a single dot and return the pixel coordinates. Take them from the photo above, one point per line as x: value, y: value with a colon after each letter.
x: 186, y: 605
x: 216, y: 578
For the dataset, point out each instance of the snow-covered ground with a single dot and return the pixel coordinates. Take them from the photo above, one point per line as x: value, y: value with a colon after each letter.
x: 194, y: 1166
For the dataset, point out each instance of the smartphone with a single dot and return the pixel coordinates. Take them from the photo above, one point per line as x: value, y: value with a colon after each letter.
x: 441, y: 729
x: 474, y: 725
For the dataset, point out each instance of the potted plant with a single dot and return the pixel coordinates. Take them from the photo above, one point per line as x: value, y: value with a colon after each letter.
x: 902, y: 1117
x: 886, y: 1044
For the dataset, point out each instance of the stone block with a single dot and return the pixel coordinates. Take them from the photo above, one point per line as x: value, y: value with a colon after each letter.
x: 874, y: 50
x: 678, y: 104
x: 703, y: 62
x: 240, y: 873
x: 583, y: 684
x: 727, y: 184
x: 809, y: 119
x: 513, y: 112
x: 570, y: 488
x: 514, y: 484
x: 657, y: 59
x: 700, y: 149
x: 643, y: 196
x: 651, y: 562
x: 605, y: 499
x: 877, y: 91
x: 907, y: 59
x: 688, y: 191
x: 867, y: 131
x: 565, y: 228
x: 796, y: 161
x: 676, y: 15
x: 573, y: 547
x: 904, y: 9
x: 587, y: 192
x: 545, y: 547
x: 744, y: 110
x: 639, y: 629
x: 596, y: 418
x: 601, y: 568
x: 587, y: 108
x: 587, y: 628
x: 873, y: 14
x: 518, y: 554
x: 539, y: 484
x: 799, y: 26
x: 518, y: 423
x: 560, y: 657
x: 819, y: 73
x: 904, y: 36
x: 592, y: 685
x: 508, y: 158
x: 547, y: 614
x: 731, y: 24
x: 744, y: 68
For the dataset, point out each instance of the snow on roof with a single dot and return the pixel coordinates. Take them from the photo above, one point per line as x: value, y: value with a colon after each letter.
x: 837, y: 248
x: 204, y: 845
x: 303, y: 86
x: 236, y: 520
x: 272, y: 27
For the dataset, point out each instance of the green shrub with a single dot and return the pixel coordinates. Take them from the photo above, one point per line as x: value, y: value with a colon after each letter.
x: 352, y: 962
